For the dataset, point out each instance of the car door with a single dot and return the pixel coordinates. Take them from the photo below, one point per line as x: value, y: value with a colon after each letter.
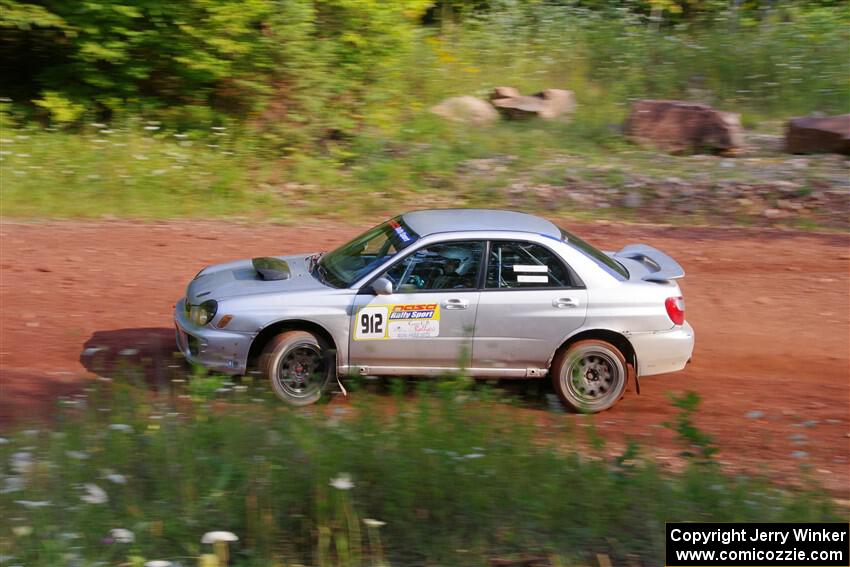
x: 426, y: 325
x: 530, y: 302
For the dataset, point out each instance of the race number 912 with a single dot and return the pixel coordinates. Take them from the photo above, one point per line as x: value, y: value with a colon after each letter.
x: 371, y: 323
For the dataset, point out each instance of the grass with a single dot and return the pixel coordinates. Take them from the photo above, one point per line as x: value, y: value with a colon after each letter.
x: 129, y: 171
x: 455, y: 475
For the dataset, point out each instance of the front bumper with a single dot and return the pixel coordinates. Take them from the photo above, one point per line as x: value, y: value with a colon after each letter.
x: 216, y: 349
x: 663, y: 351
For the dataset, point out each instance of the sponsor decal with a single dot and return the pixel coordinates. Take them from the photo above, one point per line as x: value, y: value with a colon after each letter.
x: 532, y: 279
x: 531, y: 268
x: 400, y: 321
x: 399, y: 230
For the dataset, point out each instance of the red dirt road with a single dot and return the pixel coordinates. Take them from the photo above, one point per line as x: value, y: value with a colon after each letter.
x: 770, y: 310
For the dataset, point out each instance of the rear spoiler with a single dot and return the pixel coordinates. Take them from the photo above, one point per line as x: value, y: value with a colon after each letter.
x: 661, y: 266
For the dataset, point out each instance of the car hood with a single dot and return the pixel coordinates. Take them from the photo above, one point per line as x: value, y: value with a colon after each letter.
x: 243, y: 277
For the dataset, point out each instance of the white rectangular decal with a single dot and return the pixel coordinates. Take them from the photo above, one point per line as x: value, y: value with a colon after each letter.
x: 421, y: 329
x: 532, y: 279
x: 371, y: 323
x: 530, y: 268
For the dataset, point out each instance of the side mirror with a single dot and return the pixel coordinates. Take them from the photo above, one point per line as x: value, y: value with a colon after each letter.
x: 382, y: 286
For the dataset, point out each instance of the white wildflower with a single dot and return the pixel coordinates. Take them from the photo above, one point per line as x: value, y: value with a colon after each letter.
x: 13, y: 484
x: 159, y: 563
x: 21, y: 462
x: 22, y: 531
x: 474, y: 455
x: 33, y: 503
x: 116, y: 478
x: 342, y: 482
x: 122, y: 536
x: 79, y: 455
x: 94, y: 494
x: 4, y: 441
x: 372, y: 523
x: 121, y: 427
x: 214, y: 537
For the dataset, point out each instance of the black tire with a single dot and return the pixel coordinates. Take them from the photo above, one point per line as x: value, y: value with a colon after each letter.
x: 299, y: 366
x: 590, y: 376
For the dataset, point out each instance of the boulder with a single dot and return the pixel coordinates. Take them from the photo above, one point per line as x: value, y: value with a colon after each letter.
x: 549, y: 104
x: 810, y: 134
x: 504, y: 92
x: 466, y: 109
x: 684, y: 127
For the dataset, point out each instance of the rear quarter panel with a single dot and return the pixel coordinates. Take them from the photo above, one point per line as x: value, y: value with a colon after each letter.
x: 631, y: 307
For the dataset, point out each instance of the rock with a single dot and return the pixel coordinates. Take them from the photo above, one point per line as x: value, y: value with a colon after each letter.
x: 775, y: 214
x: 809, y: 134
x: 766, y: 143
x: 504, y: 92
x: 558, y: 102
x: 633, y: 200
x: 466, y: 109
x: 789, y: 205
x: 682, y: 127
x: 549, y: 104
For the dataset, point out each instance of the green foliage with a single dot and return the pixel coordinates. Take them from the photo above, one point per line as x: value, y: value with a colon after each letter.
x: 303, y: 74
x: 164, y: 58
x: 694, y: 438
x: 456, y: 478
x: 60, y: 109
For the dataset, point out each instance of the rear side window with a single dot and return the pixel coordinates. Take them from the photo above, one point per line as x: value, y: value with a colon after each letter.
x: 518, y: 265
x: 604, y: 261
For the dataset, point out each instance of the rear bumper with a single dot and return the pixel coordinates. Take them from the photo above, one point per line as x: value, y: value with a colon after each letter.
x: 220, y: 351
x: 663, y: 351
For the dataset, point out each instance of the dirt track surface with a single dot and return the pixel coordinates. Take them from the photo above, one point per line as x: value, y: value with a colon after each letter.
x: 770, y: 310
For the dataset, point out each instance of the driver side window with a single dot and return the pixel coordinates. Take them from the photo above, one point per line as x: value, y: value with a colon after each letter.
x: 450, y: 265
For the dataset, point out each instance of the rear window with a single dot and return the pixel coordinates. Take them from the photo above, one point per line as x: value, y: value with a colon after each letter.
x: 604, y: 261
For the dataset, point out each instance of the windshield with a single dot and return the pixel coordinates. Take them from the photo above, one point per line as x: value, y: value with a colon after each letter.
x: 604, y: 261
x: 353, y: 260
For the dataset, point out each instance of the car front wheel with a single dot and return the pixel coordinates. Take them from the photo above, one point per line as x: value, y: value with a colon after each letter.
x: 590, y: 376
x: 299, y: 366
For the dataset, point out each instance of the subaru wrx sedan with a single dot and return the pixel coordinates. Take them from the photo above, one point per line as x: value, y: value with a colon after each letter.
x: 492, y: 293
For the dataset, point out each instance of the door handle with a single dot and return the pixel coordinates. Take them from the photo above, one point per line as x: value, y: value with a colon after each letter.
x: 456, y: 303
x: 564, y: 302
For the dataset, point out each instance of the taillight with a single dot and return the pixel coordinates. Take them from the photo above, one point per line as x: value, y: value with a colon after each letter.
x: 676, y: 309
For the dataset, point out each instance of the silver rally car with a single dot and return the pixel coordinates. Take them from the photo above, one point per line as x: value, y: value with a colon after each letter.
x: 500, y: 294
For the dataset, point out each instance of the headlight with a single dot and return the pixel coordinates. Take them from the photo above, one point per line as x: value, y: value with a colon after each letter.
x: 203, y: 313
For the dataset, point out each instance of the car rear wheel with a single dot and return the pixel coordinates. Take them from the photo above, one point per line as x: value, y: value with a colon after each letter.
x: 299, y: 366
x: 590, y: 376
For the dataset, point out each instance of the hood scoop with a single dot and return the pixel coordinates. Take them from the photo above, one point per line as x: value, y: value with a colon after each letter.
x: 271, y: 269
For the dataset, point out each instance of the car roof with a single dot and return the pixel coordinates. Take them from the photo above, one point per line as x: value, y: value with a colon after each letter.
x: 434, y: 221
